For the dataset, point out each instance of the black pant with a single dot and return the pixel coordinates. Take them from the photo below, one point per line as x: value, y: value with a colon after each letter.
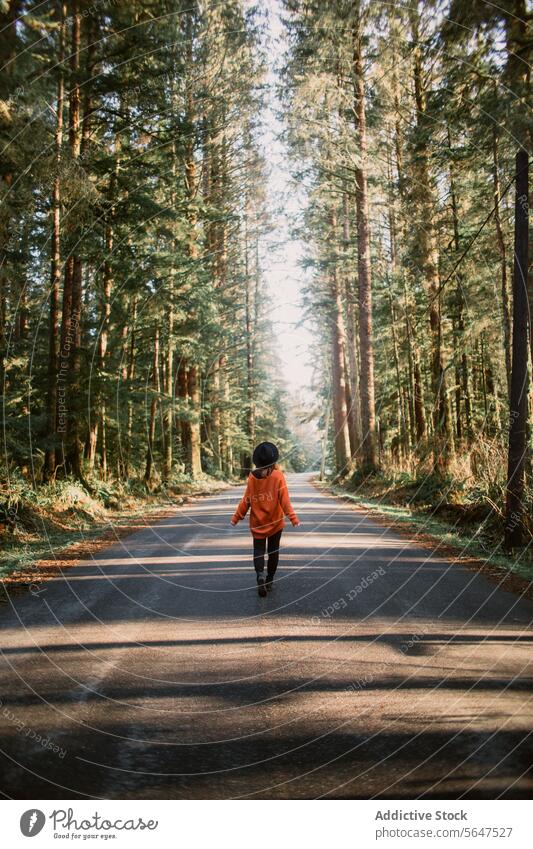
x: 260, y: 546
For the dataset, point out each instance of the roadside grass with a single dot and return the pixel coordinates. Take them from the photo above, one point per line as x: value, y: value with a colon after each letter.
x: 52, y: 518
x: 475, y: 541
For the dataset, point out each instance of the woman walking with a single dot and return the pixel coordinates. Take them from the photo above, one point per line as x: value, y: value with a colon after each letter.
x: 267, y: 497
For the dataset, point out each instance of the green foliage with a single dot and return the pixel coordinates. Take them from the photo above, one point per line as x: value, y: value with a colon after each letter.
x: 162, y: 208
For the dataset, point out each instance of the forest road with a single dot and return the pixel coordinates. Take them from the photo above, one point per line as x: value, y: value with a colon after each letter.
x: 374, y: 669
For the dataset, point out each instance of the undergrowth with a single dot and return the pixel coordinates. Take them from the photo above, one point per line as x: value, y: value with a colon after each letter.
x: 52, y: 516
x: 462, y: 509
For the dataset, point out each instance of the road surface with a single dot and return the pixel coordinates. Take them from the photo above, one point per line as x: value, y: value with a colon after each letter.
x: 374, y: 669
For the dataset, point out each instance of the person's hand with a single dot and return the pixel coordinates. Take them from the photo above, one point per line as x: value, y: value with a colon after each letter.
x: 296, y: 523
x: 233, y: 522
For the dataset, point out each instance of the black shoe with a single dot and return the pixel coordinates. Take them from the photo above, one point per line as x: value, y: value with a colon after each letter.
x: 261, y: 586
x: 269, y: 582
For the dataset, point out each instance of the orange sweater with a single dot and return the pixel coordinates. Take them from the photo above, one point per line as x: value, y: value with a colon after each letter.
x: 269, y: 500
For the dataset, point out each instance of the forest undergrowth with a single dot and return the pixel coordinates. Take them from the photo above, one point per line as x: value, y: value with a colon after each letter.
x: 461, y: 509
x: 41, y: 523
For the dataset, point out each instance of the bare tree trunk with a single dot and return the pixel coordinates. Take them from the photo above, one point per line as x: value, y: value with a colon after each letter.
x: 415, y: 398
x: 519, y: 379
x: 249, y: 330
x: 74, y: 444
x: 107, y: 286
x: 153, y: 409
x: 80, y: 143
x: 212, y: 199
x: 457, y: 387
x: 10, y: 12
x: 191, y: 187
x: 354, y: 374
x: 3, y: 323
x: 71, y: 308
x: 127, y: 376
x: 403, y: 434
x: 349, y: 405
x: 492, y: 401
x: 185, y: 432
x: 443, y: 444
x: 55, y: 283
x: 350, y: 361
x: 324, y: 441
x: 217, y: 248
x: 463, y: 373
x: 462, y: 370
x: 402, y: 429
x: 225, y: 441
x: 168, y: 358
x: 368, y: 448
x: 500, y: 238
x: 420, y: 413
x: 168, y: 416
x: 340, y: 412
x: 411, y: 372
x: 215, y: 415
x: 194, y: 396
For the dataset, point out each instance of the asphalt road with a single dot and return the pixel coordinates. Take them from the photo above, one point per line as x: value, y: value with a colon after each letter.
x: 374, y: 669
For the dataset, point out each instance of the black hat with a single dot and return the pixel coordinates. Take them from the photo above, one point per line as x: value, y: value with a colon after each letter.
x: 265, y: 454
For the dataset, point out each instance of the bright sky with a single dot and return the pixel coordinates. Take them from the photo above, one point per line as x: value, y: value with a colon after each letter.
x: 281, y: 253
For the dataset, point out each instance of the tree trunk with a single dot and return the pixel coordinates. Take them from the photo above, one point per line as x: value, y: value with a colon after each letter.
x: 225, y: 436
x: 324, y: 441
x: 351, y: 368
x: 411, y: 373
x: 49, y: 467
x: 128, y: 372
x: 107, y: 285
x: 215, y: 415
x: 402, y: 428
x: 153, y: 410
x: 340, y: 412
x: 420, y: 412
x: 368, y: 415
x: 429, y: 253
x: 500, y: 238
x: 184, y: 430
x: 68, y: 384
x: 249, y: 331
x: 191, y: 188
x: 462, y: 367
x: 354, y: 414
x: 168, y: 416
x: 195, y: 461
x: 514, y: 511
x: 10, y: 13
